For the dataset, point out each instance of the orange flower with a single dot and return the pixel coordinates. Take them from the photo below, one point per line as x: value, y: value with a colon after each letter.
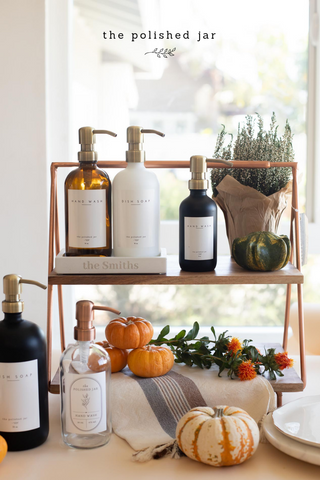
x: 246, y: 371
x: 283, y: 360
x: 234, y: 345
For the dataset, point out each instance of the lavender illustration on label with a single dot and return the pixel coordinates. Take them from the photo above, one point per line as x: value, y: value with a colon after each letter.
x: 85, y: 400
x: 164, y: 52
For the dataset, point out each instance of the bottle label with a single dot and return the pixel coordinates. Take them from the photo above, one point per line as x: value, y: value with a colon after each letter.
x: 86, y: 404
x: 19, y: 396
x: 87, y: 218
x: 137, y: 222
x: 198, y: 238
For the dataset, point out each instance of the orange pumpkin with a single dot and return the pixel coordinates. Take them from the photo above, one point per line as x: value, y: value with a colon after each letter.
x: 131, y: 332
x: 97, y: 361
x: 118, y: 357
x: 3, y: 448
x: 150, y: 361
x: 220, y: 437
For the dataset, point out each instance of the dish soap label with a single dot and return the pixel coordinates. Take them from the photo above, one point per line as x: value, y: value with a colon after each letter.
x: 86, y: 403
x: 138, y: 223
x: 198, y: 238
x: 87, y: 218
x: 19, y: 396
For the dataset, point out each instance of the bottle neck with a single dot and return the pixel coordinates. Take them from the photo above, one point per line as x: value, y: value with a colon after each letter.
x: 13, y: 317
x: 84, y: 349
x: 88, y: 165
x: 198, y: 193
x: 135, y: 165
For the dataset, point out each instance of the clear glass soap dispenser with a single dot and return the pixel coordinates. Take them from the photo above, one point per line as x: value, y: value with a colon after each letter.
x: 88, y: 202
x: 85, y: 384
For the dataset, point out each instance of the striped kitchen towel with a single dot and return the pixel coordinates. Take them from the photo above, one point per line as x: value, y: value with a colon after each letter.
x: 145, y: 411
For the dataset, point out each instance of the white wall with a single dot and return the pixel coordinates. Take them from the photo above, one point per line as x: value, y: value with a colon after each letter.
x: 23, y: 178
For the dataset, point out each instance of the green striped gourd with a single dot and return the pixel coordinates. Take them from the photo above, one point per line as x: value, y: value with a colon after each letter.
x: 262, y: 251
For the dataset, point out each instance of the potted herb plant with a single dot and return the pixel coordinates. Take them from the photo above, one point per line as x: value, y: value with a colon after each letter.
x: 253, y: 199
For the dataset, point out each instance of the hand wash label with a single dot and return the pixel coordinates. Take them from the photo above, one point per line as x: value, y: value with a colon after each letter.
x: 86, y: 409
x: 87, y: 218
x: 199, y: 238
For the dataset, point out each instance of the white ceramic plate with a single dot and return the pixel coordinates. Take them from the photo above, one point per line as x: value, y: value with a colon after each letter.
x: 300, y: 420
x: 306, y: 453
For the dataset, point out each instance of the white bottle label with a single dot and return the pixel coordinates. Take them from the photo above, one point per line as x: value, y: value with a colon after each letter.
x: 136, y: 219
x: 87, y: 218
x: 19, y: 396
x: 86, y: 404
x: 198, y: 238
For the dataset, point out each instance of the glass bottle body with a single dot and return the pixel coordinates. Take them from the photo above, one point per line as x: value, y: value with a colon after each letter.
x: 23, y: 371
x: 198, y: 232
x: 88, y: 211
x: 85, y: 404
x: 136, y: 212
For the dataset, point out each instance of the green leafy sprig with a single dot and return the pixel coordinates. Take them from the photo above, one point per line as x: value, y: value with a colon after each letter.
x: 203, y: 352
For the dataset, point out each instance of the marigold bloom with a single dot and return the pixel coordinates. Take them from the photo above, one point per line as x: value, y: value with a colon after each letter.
x: 246, y: 371
x: 283, y: 360
x: 234, y: 345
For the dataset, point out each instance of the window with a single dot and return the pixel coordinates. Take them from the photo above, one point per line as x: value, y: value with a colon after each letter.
x: 254, y: 63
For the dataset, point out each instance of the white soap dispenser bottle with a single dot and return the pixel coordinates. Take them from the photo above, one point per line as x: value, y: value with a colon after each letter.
x: 85, y: 370
x: 136, y: 203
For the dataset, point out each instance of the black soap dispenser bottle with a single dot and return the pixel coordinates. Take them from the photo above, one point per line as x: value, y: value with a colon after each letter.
x: 24, y: 420
x: 198, y: 221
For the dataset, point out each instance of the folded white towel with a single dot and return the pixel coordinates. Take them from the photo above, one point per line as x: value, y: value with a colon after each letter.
x: 145, y: 411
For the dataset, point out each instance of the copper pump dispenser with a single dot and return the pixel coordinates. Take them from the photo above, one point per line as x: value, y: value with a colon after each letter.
x: 85, y: 331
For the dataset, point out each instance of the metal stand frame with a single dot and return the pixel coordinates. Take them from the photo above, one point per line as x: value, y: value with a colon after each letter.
x: 54, y: 245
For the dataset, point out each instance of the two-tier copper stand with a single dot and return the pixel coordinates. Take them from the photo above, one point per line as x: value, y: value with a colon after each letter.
x: 227, y: 271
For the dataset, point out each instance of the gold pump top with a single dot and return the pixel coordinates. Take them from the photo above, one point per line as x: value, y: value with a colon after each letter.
x: 135, y: 139
x: 85, y: 331
x: 198, y: 169
x: 87, y: 139
x: 12, y: 288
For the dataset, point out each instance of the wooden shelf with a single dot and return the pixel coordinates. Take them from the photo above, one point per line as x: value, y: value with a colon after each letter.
x: 227, y: 272
x: 290, y: 382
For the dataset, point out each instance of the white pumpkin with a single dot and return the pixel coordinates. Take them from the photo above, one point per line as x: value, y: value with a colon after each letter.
x: 221, y: 436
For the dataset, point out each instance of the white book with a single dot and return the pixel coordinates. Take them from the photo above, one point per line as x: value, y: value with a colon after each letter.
x: 110, y: 265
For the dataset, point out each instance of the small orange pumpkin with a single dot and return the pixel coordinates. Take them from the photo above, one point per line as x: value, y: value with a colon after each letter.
x: 131, y: 332
x: 118, y: 357
x: 219, y: 437
x: 97, y: 361
x: 150, y: 361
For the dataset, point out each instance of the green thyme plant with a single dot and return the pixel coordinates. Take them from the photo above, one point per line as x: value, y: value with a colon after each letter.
x: 265, y: 146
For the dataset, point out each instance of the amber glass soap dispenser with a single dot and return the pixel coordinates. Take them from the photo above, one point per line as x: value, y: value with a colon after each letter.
x: 88, y: 202
x: 198, y: 221
x: 24, y: 420
x: 84, y: 384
